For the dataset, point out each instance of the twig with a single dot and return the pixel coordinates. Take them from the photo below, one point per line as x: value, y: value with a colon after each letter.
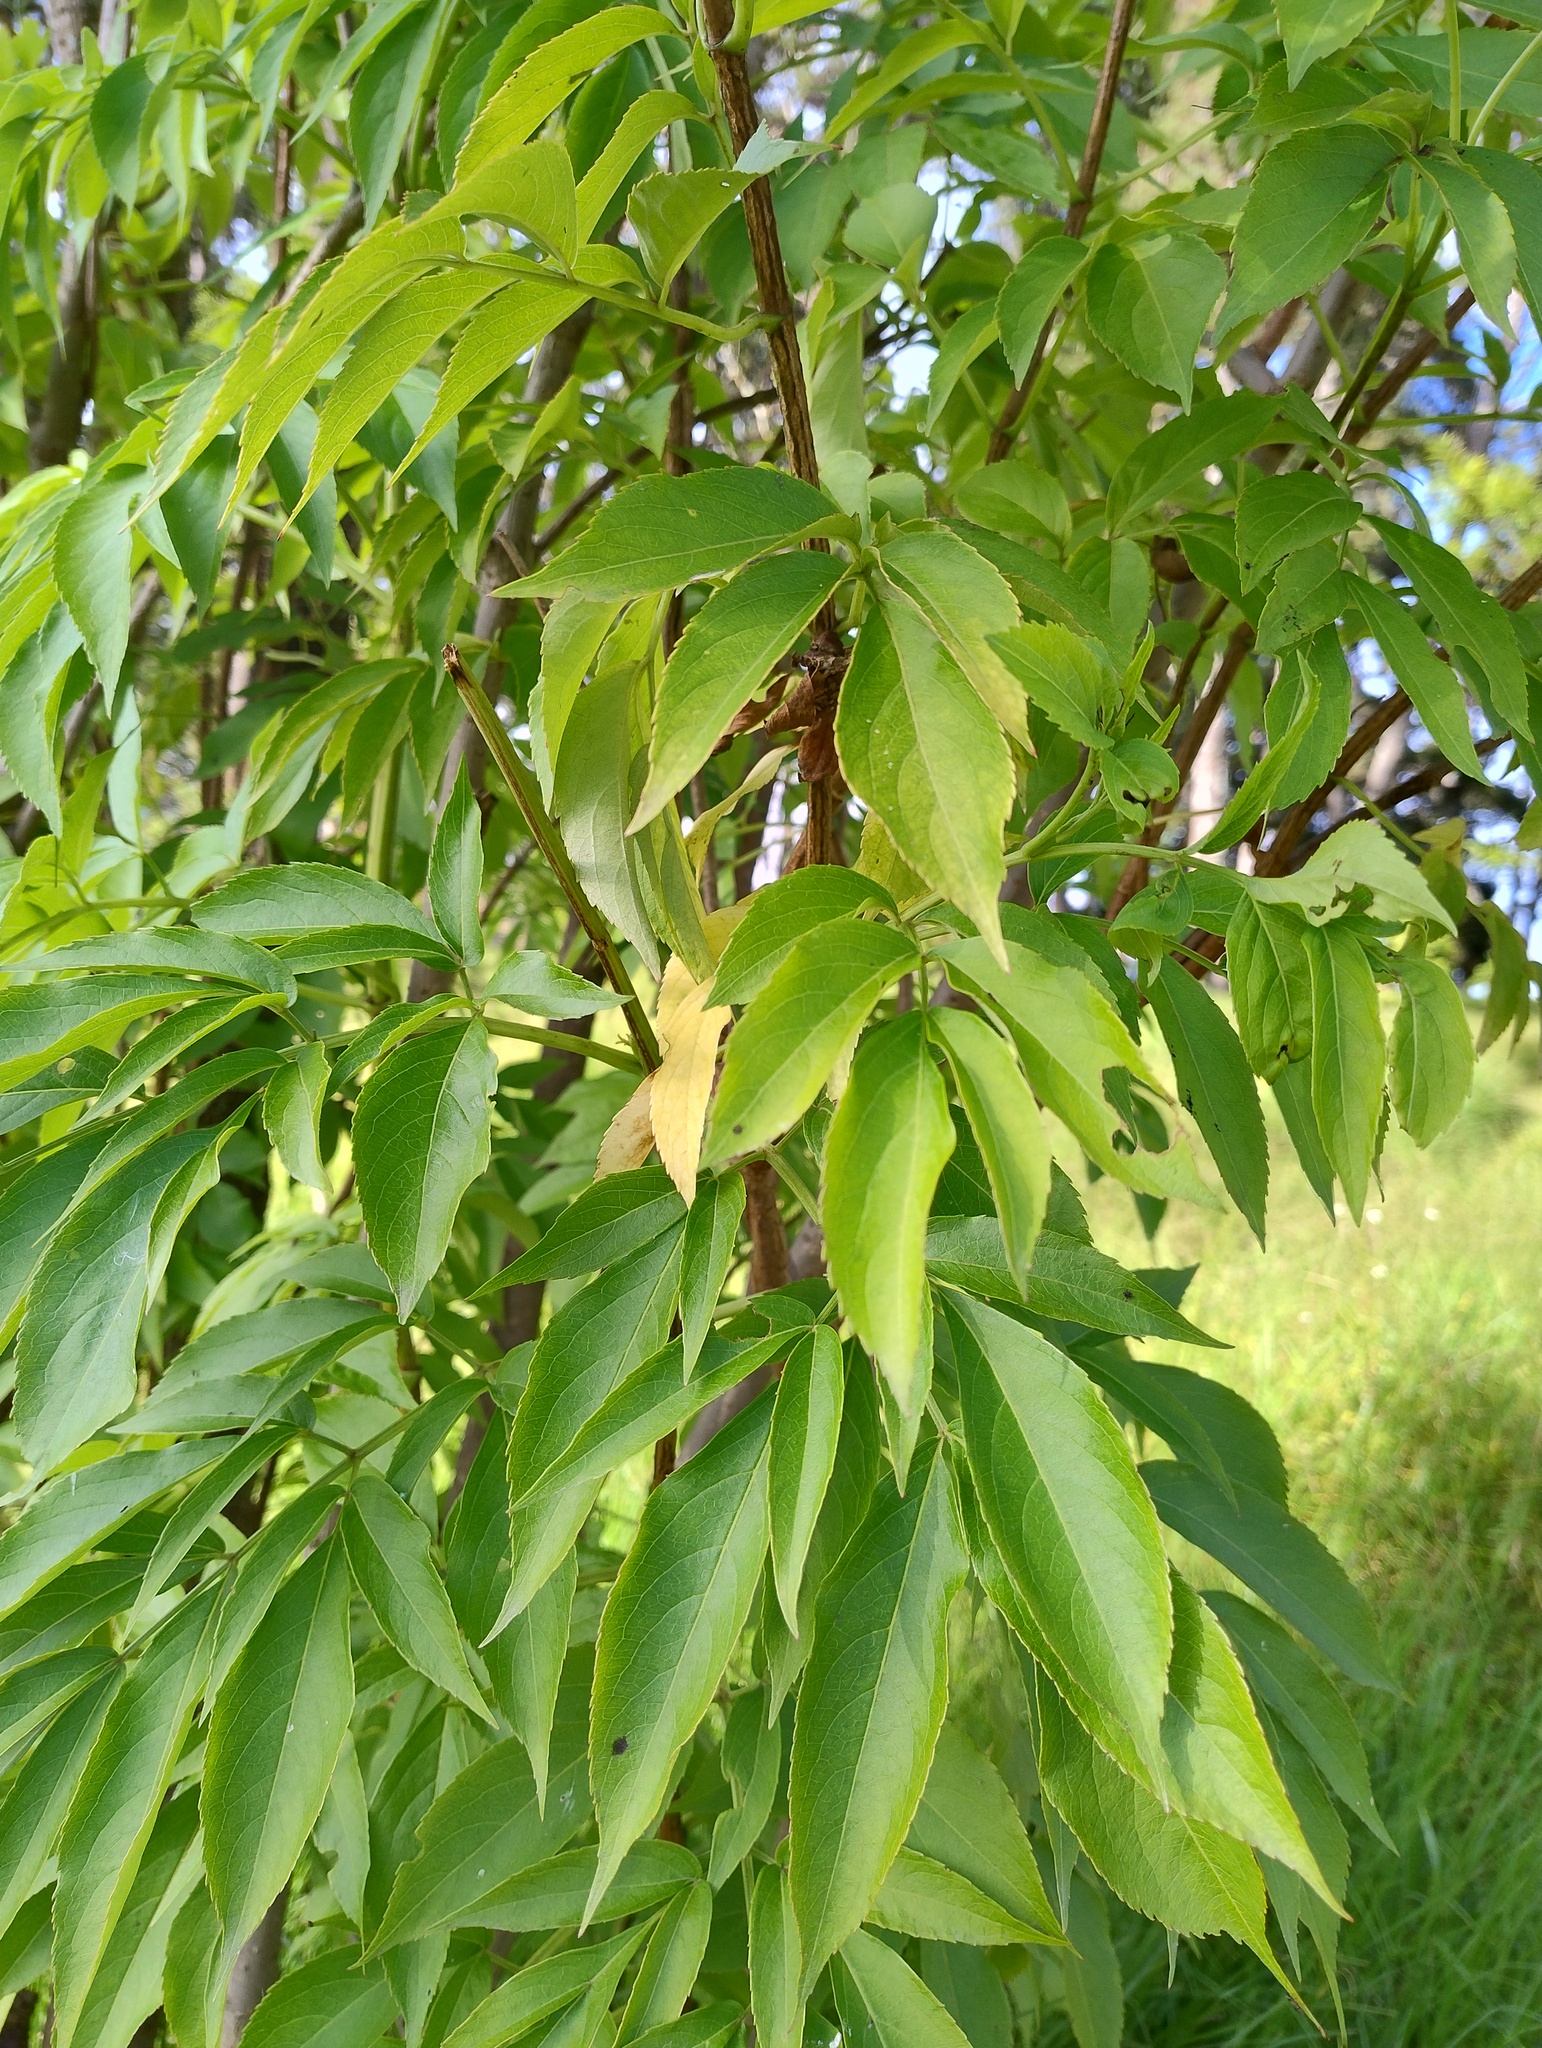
x: 504, y: 877
x: 331, y: 242
x: 1272, y: 861
x: 1185, y: 753
x: 1207, y: 625
x: 1360, y: 742
x: 1411, y: 785
x: 765, y: 247
x: 1416, y: 353
x: 1076, y: 220
x: 550, y: 534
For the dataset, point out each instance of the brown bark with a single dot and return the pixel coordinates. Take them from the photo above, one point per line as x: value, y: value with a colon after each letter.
x: 1417, y: 784
x: 820, y: 842
x: 1418, y: 351
x: 520, y: 1319
x: 55, y: 428
x: 216, y: 683
x: 682, y: 405
x: 519, y: 1323
x: 1136, y: 870
x: 16, y: 2030
x: 768, y: 1234
x: 1524, y: 588
x: 254, y: 1972
x: 281, y: 148
x: 1312, y: 353
x: 71, y: 361
x: 1277, y: 856
x: 771, y: 285
x: 1285, y: 849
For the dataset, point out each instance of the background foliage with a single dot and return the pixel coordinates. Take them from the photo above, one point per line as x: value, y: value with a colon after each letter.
x: 937, y: 551
x: 1395, y: 1363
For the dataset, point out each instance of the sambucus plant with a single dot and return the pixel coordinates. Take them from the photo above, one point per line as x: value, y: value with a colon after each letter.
x: 343, y: 1688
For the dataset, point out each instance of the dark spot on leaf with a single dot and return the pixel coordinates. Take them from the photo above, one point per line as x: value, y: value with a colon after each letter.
x: 618, y: 1747
x: 1129, y: 1294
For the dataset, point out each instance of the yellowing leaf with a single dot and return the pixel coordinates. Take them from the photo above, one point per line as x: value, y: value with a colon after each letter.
x: 689, y: 1029
x: 629, y: 1137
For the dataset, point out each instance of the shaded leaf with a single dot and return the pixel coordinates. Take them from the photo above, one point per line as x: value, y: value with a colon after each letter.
x: 1278, y: 1557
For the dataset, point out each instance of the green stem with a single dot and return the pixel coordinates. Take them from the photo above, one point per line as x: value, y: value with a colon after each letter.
x: 1488, y: 106
x: 1167, y: 156
x: 381, y: 844
x: 1390, y: 321
x: 526, y: 793
x: 792, y: 1180
x: 1045, y: 836
x: 1454, y: 46
x: 564, y: 1041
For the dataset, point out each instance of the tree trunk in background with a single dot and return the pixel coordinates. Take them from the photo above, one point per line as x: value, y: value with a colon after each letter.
x: 16, y: 2029
x: 507, y: 556
x: 520, y: 1319
x: 1312, y: 353
x: 508, y: 552
x: 1386, y: 758
x: 72, y: 362
x: 255, y: 1971
x: 66, y: 23
x: 1209, y: 785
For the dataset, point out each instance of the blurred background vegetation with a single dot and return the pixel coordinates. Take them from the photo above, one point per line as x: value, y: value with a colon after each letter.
x: 1399, y: 1365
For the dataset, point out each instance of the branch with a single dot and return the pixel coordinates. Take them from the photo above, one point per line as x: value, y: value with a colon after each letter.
x: 255, y: 1972
x: 331, y: 242
x: 817, y: 758
x: 1411, y: 785
x: 1360, y: 742
x: 576, y: 507
x: 1076, y: 220
x: 771, y: 284
x: 1272, y: 861
x: 514, y: 533
x: 1524, y: 588
x: 1417, y: 352
x: 1184, y: 755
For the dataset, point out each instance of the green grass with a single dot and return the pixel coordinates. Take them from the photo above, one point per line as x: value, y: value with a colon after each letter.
x: 1401, y: 1365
